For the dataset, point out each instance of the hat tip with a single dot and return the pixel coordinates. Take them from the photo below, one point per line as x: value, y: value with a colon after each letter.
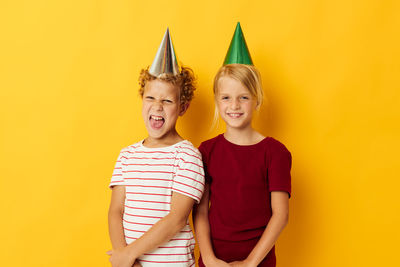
x: 165, y: 61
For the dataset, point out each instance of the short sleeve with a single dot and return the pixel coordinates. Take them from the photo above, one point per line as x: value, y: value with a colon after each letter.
x: 189, y: 177
x: 280, y: 163
x: 117, y: 177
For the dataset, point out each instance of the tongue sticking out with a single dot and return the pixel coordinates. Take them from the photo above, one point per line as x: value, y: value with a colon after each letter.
x: 156, y: 124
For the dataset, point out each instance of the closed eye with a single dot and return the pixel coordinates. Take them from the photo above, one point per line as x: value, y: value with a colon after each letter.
x: 168, y: 101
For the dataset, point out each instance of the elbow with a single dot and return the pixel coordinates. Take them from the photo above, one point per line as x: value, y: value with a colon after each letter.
x: 282, y: 217
x: 285, y: 218
x: 176, y: 223
x: 180, y: 223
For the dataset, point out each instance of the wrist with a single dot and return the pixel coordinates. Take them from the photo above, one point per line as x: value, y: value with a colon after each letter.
x: 251, y: 261
x: 209, y: 260
x: 132, y: 252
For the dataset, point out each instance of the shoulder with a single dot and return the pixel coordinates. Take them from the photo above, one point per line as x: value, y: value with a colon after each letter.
x: 130, y: 149
x: 187, y: 148
x: 275, y: 147
x: 207, y: 145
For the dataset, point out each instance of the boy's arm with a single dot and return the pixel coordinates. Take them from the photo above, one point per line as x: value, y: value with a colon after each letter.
x: 115, y: 213
x: 202, y: 228
x: 278, y: 221
x: 158, y: 234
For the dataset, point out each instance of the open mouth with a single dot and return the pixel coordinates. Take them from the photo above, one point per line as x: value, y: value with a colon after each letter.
x: 234, y: 115
x: 156, y: 122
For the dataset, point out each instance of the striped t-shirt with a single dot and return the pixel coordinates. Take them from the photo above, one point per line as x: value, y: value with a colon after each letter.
x: 150, y: 175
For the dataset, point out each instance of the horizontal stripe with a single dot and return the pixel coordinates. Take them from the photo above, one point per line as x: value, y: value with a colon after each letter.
x: 188, y: 186
x: 146, y: 158
x: 152, y: 152
x: 202, y: 175
x: 186, y: 147
x: 149, y: 224
x: 145, y: 208
x: 143, y: 216
x: 149, y: 164
x: 190, y: 178
x: 190, y: 162
x: 114, y: 182
x: 148, y: 171
x: 149, y: 186
x: 173, y: 239
x: 148, y: 201
x: 196, y: 197
x: 144, y: 193
x: 131, y: 230
x: 141, y: 231
x: 164, y: 261
x: 191, y: 155
x: 147, y: 179
x: 189, y: 245
x: 172, y: 254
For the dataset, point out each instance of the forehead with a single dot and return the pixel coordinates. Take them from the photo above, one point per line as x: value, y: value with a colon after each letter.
x: 160, y: 88
x: 227, y: 85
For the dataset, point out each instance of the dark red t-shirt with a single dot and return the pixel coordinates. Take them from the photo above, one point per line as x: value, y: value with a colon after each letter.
x: 241, y: 179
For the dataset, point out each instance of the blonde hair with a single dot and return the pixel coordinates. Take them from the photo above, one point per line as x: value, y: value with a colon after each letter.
x: 248, y: 75
x: 185, y: 80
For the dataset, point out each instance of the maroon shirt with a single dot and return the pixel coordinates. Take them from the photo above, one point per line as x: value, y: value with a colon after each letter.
x: 241, y: 179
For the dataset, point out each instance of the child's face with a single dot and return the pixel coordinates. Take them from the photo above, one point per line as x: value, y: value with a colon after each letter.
x: 161, y: 109
x: 235, y: 103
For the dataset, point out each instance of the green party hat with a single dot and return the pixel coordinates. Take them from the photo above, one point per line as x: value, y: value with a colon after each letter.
x: 238, y: 52
x: 165, y: 61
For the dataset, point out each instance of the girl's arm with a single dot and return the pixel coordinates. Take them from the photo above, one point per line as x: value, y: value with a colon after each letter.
x: 158, y: 234
x: 202, y: 227
x: 278, y: 221
x: 115, y: 214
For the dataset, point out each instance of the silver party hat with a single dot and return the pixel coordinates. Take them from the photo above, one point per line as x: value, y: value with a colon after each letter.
x: 165, y: 60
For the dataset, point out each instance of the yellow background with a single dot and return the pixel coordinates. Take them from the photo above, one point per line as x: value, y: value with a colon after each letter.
x: 69, y: 103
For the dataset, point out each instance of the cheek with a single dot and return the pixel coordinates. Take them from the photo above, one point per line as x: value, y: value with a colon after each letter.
x: 220, y: 106
x: 251, y: 106
x: 172, y: 111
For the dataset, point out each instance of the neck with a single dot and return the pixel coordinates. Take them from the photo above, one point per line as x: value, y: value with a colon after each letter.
x: 163, y: 141
x: 245, y: 136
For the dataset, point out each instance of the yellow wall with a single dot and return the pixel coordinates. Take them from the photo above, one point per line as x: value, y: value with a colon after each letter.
x: 68, y: 94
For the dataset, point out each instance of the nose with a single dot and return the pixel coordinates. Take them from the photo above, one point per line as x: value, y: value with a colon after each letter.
x: 158, y: 106
x: 235, y: 104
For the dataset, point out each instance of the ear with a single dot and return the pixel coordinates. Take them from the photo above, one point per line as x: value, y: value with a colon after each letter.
x: 183, y: 108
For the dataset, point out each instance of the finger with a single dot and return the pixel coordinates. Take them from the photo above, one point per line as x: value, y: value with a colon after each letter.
x: 109, y: 252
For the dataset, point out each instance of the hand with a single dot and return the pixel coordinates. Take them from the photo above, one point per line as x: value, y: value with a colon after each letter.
x: 121, y: 258
x: 243, y: 263
x: 217, y: 263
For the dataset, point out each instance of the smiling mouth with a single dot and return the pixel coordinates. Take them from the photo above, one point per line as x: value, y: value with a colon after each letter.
x: 156, y: 122
x: 234, y: 115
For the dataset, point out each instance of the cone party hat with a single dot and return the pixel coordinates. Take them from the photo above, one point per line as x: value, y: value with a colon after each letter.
x: 165, y: 61
x: 238, y: 52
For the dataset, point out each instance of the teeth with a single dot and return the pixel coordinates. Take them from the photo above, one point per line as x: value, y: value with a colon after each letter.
x: 156, y: 118
x: 235, y: 115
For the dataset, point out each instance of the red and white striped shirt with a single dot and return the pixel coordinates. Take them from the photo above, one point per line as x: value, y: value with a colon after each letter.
x: 150, y: 175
